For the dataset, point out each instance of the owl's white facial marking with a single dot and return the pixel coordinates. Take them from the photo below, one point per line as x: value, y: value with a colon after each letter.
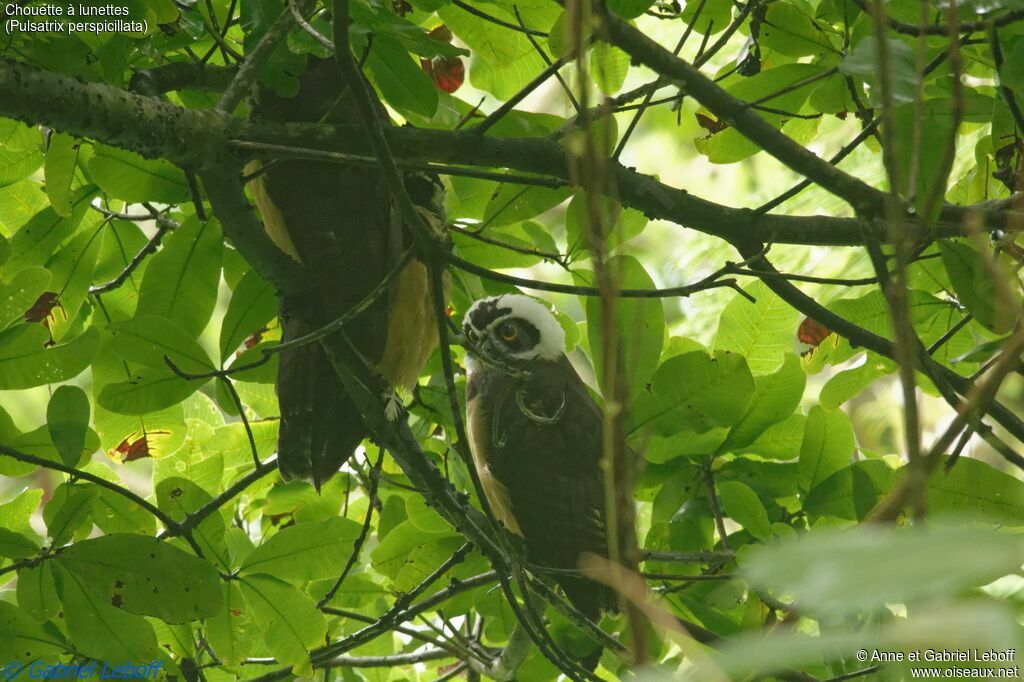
x: 514, y: 327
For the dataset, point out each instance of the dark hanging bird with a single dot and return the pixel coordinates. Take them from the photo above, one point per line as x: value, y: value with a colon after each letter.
x: 535, y: 435
x: 339, y: 221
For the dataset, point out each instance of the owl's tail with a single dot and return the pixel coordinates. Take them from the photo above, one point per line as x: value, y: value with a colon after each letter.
x: 320, y: 426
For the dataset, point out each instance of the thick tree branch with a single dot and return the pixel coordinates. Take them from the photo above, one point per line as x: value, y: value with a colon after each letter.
x: 196, y: 138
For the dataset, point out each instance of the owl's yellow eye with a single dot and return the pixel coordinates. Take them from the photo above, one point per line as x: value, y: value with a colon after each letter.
x: 508, y: 331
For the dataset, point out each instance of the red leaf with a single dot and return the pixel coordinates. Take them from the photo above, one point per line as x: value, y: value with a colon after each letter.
x: 448, y: 73
x: 812, y: 332
x: 41, y: 309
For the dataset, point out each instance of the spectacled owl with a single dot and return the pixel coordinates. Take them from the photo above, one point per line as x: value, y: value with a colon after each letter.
x: 340, y: 223
x: 535, y: 436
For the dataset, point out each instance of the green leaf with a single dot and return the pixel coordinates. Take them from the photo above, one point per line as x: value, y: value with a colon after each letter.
x: 623, y: 223
x: 67, y: 418
x: 18, y: 165
x: 232, y: 631
x: 638, y: 327
x: 403, y: 551
x: 253, y: 304
x: 14, y: 545
x: 37, y: 593
x: 23, y: 640
x: 178, y: 497
x: 72, y: 269
x: 1011, y: 75
x: 181, y: 280
x: 147, y: 391
x: 776, y: 396
x: 762, y: 332
x: 862, y: 63
x: 147, y: 339
x: 67, y: 511
x: 401, y: 80
x: 39, y: 238
x: 100, y: 630
x: 146, y: 576
x: 976, y: 288
x: 26, y: 361
x: 61, y: 161
x: 744, y: 507
x: 850, y: 383
x: 694, y: 391
x: 629, y: 9
x: 851, y: 492
x: 128, y: 176
x: 609, y: 65
x: 503, y: 61
x: 513, y: 203
x: 305, y: 551
x: 715, y: 16
x: 827, y: 446
x: 18, y: 203
x: 529, y: 236
x: 289, y: 620
x: 790, y: 32
x: 863, y: 568
x: 974, y: 488
x: 17, y: 296
x: 115, y: 513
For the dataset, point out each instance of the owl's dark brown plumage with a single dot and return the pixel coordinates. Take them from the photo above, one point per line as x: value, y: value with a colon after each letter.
x: 338, y: 221
x: 535, y: 434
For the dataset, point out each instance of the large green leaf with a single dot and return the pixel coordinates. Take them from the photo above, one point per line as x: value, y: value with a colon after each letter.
x: 27, y: 361
x: 61, y: 160
x: 21, y: 639
x: 128, y: 176
x: 863, y: 63
x: 99, y: 629
x: 638, y: 326
x: 503, y: 61
x: 18, y: 295
x: 512, y: 203
x: 67, y: 418
x: 67, y: 511
x: 696, y: 392
x: 827, y: 446
x: 179, y: 497
x: 181, y: 280
x: 743, y: 506
x: 289, y: 620
x: 763, y: 332
x: 972, y: 487
x: 147, y: 339
x: 401, y: 80
x: 232, y: 632
x: 518, y: 246
x: 866, y: 567
x: 17, y: 165
x: 147, y: 391
x: 14, y: 545
x: 253, y: 304
x: 976, y: 288
x: 305, y: 551
x: 146, y: 576
x: 37, y: 593
x: 72, y: 269
x: 776, y: 396
x: 851, y: 492
x: 38, y: 239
